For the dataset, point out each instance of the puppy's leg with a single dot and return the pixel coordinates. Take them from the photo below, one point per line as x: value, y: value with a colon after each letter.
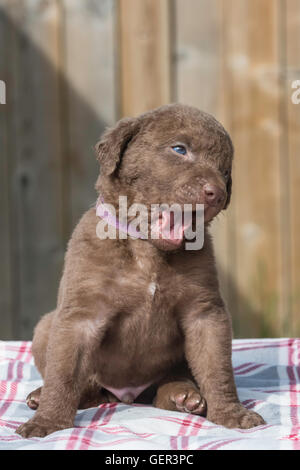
x: 181, y: 395
x: 91, y: 397
x: 40, y: 341
x: 39, y: 348
x: 72, y: 345
x: 207, y: 331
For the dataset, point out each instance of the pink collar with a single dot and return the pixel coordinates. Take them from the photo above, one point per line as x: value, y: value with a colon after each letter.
x: 103, y: 211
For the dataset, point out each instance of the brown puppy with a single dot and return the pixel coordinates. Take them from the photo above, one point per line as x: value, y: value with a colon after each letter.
x: 143, y: 319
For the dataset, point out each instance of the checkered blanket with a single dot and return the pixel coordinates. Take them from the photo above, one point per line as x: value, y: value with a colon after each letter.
x: 267, y: 374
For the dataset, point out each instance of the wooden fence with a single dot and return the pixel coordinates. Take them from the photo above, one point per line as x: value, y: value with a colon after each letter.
x: 72, y: 67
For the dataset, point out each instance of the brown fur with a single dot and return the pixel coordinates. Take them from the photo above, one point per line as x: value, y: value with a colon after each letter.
x: 108, y: 328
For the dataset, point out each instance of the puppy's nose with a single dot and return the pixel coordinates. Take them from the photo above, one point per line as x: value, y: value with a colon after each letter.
x: 213, y: 196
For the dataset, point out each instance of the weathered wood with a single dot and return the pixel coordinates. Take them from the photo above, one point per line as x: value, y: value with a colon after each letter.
x: 61, y: 79
x: 198, y: 53
x: 6, y: 315
x: 34, y: 142
x: 253, y: 58
x: 145, y: 58
x: 89, y: 71
x: 234, y: 59
x: 8, y: 156
x: 291, y: 160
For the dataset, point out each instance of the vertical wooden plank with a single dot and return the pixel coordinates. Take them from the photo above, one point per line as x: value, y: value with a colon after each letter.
x: 9, y: 69
x: 236, y: 60
x: 292, y: 159
x: 90, y: 98
x: 35, y: 160
x: 253, y: 58
x: 198, y: 53
x: 200, y: 81
x: 284, y: 177
x: 145, y: 56
x: 6, y: 317
x: 56, y: 114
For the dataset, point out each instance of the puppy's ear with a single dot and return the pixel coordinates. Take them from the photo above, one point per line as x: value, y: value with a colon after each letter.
x: 228, y: 189
x: 113, y: 144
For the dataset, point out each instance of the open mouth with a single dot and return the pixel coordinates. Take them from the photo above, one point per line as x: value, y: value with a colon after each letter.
x: 170, y: 226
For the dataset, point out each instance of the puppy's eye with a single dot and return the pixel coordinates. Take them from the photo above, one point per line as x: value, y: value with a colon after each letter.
x: 226, y: 173
x: 179, y: 149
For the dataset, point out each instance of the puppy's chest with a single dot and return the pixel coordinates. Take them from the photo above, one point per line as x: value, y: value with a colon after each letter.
x: 154, y: 313
x: 152, y: 323
x: 149, y: 293
x: 147, y: 324
x: 160, y: 290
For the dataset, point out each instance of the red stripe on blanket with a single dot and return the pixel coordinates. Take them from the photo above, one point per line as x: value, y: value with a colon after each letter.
x: 249, y: 369
x: 173, y: 442
x: 73, y: 439
x: 186, y: 422
x: 266, y: 346
x: 109, y: 413
x: 10, y: 377
x: 86, y: 439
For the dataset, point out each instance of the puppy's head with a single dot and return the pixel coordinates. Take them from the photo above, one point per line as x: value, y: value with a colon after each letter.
x: 175, y: 154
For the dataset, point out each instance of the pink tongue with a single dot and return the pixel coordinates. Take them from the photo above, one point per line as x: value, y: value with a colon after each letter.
x: 170, y: 227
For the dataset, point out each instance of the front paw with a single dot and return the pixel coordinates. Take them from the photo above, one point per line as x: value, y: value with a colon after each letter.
x: 235, y: 416
x: 37, y: 427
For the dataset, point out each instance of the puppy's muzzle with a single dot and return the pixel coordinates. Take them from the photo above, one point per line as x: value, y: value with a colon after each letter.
x: 213, y: 195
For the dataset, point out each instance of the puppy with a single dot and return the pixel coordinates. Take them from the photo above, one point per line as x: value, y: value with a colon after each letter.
x: 142, y: 319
